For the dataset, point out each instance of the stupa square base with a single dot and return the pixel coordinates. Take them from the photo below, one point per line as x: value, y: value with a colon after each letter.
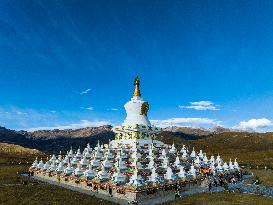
x: 152, y: 195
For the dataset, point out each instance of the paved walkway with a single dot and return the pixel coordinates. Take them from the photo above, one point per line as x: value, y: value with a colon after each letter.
x: 252, y: 189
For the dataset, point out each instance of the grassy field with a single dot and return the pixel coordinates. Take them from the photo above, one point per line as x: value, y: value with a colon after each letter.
x: 13, y: 191
x: 249, y: 148
x: 223, y: 199
x: 265, y: 177
x: 38, y: 194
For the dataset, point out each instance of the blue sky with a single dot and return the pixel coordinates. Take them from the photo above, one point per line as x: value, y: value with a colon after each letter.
x: 215, y: 54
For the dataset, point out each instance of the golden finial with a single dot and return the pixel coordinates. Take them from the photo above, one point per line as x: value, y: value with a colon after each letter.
x: 136, y: 84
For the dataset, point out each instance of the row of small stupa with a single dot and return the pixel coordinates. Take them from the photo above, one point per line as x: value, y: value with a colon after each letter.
x: 106, y: 163
x: 135, y: 157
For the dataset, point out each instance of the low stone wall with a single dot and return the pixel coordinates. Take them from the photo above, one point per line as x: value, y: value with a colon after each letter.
x: 83, y: 188
x: 144, y: 197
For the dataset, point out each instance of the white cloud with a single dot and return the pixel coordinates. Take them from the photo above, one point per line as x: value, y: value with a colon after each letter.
x: 53, y: 111
x: 85, y: 91
x: 201, y: 105
x: 81, y: 124
x: 186, y: 122
x: 88, y: 108
x: 254, y: 124
x: 21, y: 113
x: 114, y: 109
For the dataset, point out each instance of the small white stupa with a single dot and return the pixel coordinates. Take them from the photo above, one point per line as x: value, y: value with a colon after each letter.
x: 78, y: 171
x: 52, y: 166
x: 136, y: 155
x: 88, y: 153
x: 60, y: 158
x: 34, y: 164
x: 118, y: 177
x: 212, y: 168
x: 109, y: 154
x: 98, y: 147
x: 218, y: 159
x: 98, y: 154
x: 231, y: 167
x: 236, y: 165
x: 181, y: 172
x: 165, y: 163
x: 185, y: 154
x: 136, y: 163
x: 40, y: 165
x: 151, y: 163
x: 183, y: 149
x: 212, y: 160
x: 173, y: 149
x: 177, y: 161
x: 88, y: 148
x: 193, y: 153
x: 123, y: 155
x: 60, y: 168
x: 121, y: 164
x: 225, y: 167
x: 197, y: 161
x: 136, y: 180
x: 107, y: 163
x: 66, y: 159
x: 163, y: 154
x: 46, y: 166
x: 74, y: 160
x: 79, y: 154
x: 154, y: 175
x: 219, y: 168
x: 71, y: 153
x: 169, y: 174
x: 84, y: 161
x: 102, y: 174
x: 192, y: 171
x: 150, y: 152
x: 95, y: 162
x: 205, y: 159
x: 89, y: 173
x: 200, y: 154
x: 68, y: 170
x: 53, y: 158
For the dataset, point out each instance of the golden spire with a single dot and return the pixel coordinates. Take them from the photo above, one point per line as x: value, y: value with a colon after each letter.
x: 137, y: 91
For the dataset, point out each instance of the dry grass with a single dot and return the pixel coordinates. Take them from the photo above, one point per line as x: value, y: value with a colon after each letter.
x: 265, y: 177
x: 250, y: 148
x: 14, y: 192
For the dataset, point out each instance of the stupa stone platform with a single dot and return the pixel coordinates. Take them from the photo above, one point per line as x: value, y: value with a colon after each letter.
x: 135, y: 167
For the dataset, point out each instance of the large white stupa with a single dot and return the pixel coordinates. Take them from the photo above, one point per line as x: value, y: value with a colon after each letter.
x: 136, y: 130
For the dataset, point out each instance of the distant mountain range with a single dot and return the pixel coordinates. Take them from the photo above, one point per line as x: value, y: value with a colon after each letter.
x: 49, y: 141
x: 194, y: 133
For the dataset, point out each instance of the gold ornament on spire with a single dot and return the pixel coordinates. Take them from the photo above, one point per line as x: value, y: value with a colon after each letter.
x: 137, y: 91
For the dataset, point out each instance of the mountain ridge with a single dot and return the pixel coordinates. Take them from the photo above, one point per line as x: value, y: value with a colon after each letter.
x: 49, y: 141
